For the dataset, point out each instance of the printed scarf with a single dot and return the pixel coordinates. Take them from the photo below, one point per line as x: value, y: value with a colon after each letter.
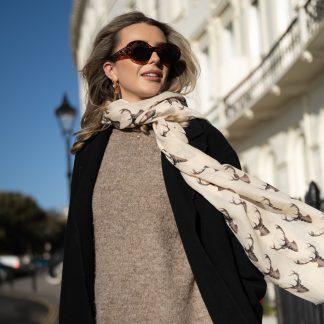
x: 282, y: 236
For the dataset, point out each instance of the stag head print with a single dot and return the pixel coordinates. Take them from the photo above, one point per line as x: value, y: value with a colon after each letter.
x: 164, y: 132
x: 132, y: 116
x: 268, y: 186
x: 249, y: 250
x: 316, y: 258
x: 271, y: 272
x: 229, y: 220
x: 286, y: 244
x: 173, y: 158
x: 298, y: 285
x: 200, y: 171
x: 176, y: 100
x: 235, y: 176
x: 240, y: 202
x: 149, y: 115
x: 260, y: 226
x: 299, y: 215
x: 219, y: 188
x: 312, y: 233
x: 269, y: 203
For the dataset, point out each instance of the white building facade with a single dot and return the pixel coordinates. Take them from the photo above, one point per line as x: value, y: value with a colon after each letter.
x: 261, y: 82
x: 261, y: 77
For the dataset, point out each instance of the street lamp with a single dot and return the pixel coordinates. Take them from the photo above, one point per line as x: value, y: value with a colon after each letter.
x: 66, y: 114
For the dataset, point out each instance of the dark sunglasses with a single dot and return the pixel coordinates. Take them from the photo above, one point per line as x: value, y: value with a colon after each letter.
x: 140, y: 52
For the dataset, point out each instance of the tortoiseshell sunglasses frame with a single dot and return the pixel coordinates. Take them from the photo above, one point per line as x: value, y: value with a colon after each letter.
x: 125, y: 53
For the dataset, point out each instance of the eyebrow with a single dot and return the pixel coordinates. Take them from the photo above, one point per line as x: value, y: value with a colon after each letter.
x: 160, y: 43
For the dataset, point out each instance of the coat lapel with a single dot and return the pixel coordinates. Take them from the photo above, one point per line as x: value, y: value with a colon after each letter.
x: 196, y: 135
x: 86, y: 166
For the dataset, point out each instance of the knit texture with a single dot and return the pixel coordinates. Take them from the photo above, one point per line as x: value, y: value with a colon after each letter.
x: 142, y: 271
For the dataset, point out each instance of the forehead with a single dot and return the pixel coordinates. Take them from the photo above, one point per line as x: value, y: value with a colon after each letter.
x: 151, y: 34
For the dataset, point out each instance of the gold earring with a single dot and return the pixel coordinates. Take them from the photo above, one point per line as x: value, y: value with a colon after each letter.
x: 116, y: 89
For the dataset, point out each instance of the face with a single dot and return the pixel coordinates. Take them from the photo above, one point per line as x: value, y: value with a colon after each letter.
x: 134, y: 85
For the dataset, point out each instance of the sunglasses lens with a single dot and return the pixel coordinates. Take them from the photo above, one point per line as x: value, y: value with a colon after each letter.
x: 169, y: 53
x: 140, y: 52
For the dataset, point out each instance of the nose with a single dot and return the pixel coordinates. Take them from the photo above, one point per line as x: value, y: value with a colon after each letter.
x: 154, y: 58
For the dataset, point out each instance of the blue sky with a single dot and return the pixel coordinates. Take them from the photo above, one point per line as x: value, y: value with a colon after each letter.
x: 36, y: 69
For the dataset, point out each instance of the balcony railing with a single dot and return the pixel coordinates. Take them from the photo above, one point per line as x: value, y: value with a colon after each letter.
x: 285, y: 52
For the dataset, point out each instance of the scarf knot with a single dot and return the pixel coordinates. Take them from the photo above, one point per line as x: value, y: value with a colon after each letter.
x: 166, y: 106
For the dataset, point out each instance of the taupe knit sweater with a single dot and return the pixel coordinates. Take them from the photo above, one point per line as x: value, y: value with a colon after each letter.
x: 142, y: 272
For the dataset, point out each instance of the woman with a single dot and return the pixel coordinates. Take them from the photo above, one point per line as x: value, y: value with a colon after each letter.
x: 141, y: 245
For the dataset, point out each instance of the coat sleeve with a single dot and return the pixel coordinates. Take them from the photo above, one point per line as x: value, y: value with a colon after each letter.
x: 252, y: 279
x: 75, y: 303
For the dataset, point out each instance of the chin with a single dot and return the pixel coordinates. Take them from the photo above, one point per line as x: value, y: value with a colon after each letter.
x: 150, y: 93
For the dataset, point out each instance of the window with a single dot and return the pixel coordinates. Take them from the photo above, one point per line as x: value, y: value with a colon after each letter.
x: 301, y: 166
x: 282, y: 177
x: 255, y: 29
x: 205, y: 81
x: 229, y: 40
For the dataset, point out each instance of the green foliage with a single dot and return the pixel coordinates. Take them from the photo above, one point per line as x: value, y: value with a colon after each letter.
x: 55, y: 227
x: 268, y: 310
x: 24, y: 226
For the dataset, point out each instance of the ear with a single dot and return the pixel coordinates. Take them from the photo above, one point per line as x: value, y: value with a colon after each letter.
x: 109, y: 69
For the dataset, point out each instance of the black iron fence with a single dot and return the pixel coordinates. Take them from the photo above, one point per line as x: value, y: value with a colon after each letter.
x: 292, y: 309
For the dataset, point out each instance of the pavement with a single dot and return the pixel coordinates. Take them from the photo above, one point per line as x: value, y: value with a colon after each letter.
x: 29, y: 301
x: 35, y: 301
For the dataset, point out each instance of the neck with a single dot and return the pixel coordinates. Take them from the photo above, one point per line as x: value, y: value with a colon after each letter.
x: 135, y: 98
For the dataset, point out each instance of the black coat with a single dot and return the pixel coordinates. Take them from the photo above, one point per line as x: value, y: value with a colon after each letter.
x: 230, y: 285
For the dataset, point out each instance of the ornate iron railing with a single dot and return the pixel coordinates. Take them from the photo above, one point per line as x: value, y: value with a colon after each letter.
x: 274, y: 65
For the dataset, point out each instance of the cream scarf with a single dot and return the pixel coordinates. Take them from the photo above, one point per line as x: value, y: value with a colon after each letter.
x: 282, y: 236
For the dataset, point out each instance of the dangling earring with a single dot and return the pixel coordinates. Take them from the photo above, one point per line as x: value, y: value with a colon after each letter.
x: 116, y: 89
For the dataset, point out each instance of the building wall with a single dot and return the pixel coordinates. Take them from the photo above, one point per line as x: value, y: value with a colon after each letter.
x: 230, y: 38
x: 289, y: 152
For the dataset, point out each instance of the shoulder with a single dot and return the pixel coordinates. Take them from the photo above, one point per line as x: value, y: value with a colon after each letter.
x: 206, y: 126
x: 217, y: 145
x: 90, y: 154
x: 94, y: 143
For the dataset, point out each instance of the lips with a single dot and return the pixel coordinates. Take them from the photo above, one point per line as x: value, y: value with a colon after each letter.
x: 153, y: 75
x: 155, y: 72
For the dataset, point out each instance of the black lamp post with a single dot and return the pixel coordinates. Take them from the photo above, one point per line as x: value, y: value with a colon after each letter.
x: 313, y: 196
x: 66, y: 114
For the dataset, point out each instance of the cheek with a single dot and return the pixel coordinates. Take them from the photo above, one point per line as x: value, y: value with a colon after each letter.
x: 128, y: 71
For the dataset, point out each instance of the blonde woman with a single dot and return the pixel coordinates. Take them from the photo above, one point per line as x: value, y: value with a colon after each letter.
x: 142, y: 245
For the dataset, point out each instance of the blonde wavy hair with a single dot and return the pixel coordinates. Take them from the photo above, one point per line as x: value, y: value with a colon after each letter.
x: 182, y: 77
